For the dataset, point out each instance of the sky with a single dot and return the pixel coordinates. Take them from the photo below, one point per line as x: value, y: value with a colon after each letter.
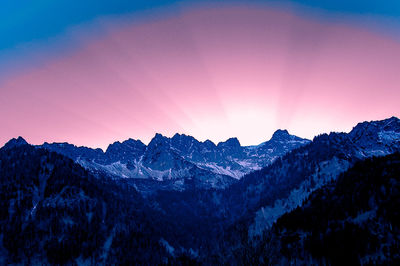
x: 94, y: 72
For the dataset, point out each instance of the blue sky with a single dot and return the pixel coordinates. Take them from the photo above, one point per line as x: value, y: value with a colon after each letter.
x: 34, y: 20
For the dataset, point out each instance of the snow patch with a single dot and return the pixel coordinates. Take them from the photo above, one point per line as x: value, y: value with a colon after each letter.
x: 389, y: 136
x: 237, y: 174
x: 170, y: 249
x: 363, y: 217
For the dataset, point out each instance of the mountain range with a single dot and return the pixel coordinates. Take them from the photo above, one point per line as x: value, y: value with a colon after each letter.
x: 178, y: 200
x: 178, y: 159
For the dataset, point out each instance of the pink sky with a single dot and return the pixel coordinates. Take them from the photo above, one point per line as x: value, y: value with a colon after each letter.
x: 210, y: 73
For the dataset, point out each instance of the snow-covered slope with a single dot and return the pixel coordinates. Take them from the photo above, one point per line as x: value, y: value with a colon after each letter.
x: 181, y: 157
x: 288, y: 182
x: 354, y: 220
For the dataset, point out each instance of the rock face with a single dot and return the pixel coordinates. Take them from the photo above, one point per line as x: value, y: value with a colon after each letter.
x: 15, y: 142
x: 125, y: 151
x: 181, y: 157
x: 377, y: 138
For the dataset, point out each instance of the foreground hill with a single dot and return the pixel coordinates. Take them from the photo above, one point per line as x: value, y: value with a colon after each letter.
x: 54, y: 211
x: 353, y: 220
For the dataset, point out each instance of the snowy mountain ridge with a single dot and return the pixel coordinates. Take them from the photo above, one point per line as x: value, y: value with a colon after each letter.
x: 181, y: 157
x: 306, y: 169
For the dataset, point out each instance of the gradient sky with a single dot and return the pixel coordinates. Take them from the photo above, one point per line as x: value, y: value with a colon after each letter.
x: 95, y: 72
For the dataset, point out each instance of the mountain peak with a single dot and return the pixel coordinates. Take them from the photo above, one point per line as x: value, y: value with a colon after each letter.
x: 15, y: 142
x: 280, y: 133
x: 177, y: 135
x: 393, y: 118
x: 233, y: 142
x: 159, y: 136
x: 181, y: 137
x: 129, y: 143
x: 209, y: 143
x: 158, y: 139
x: 392, y: 123
x: 133, y: 142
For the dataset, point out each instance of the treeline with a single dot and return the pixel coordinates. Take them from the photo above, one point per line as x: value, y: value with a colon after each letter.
x: 353, y: 220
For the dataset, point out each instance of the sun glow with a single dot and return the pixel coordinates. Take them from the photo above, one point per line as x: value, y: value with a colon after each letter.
x: 211, y: 73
